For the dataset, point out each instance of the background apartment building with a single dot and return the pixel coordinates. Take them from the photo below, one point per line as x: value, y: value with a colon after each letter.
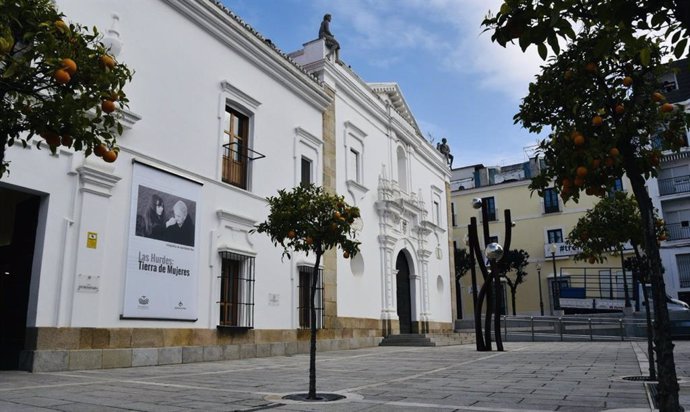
x: 541, y: 229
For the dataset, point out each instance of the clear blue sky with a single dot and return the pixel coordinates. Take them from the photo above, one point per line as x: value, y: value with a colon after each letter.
x: 458, y: 84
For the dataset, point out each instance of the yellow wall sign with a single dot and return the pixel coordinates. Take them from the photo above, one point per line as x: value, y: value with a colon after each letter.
x: 91, y: 240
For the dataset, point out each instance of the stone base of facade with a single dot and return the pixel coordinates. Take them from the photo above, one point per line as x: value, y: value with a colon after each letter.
x: 58, y: 349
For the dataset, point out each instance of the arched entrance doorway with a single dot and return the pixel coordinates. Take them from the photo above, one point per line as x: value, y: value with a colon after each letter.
x: 403, y: 293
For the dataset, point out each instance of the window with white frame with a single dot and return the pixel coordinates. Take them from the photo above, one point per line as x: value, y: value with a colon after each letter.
x: 683, y: 262
x: 354, y: 165
x: 308, y: 158
x: 237, y: 114
x: 306, y: 171
x: 554, y: 236
x: 354, y: 150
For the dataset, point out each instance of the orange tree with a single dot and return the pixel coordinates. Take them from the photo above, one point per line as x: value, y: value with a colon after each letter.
x: 307, y: 219
x: 58, y: 81
x: 515, y: 260
x: 600, y: 98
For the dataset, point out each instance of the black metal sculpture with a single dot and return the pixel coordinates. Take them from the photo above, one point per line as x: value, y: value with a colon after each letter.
x: 490, y: 290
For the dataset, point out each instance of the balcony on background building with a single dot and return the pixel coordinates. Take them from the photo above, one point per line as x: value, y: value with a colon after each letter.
x: 678, y: 231
x: 679, y: 184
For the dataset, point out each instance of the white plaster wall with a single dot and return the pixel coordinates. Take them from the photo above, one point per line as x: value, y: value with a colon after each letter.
x: 176, y: 89
x: 361, y: 296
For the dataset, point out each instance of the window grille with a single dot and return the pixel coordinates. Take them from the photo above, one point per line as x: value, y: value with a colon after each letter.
x: 237, y: 290
x: 683, y: 262
x: 304, y: 289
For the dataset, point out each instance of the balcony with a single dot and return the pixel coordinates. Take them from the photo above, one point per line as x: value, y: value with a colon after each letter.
x: 235, y: 161
x: 678, y: 231
x: 679, y: 184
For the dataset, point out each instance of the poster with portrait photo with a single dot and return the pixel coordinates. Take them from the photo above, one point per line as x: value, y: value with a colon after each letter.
x: 162, y: 277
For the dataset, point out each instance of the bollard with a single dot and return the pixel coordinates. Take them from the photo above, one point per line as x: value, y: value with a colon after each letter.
x: 620, y: 321
x: 560, y: 327
x: 591, y: 334
x: 531, y: 319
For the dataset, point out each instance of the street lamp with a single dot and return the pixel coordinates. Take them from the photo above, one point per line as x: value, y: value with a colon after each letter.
x: 541, y: 300
x: 557, y: 296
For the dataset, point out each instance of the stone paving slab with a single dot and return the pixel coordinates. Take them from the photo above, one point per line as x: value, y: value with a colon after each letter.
x: 550, y: 376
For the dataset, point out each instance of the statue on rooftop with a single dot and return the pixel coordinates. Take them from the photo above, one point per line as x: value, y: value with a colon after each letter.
x: 445, y: 151
x: 325, y: 33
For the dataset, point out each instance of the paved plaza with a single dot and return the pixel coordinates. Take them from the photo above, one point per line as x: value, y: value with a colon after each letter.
x: 549, y: 376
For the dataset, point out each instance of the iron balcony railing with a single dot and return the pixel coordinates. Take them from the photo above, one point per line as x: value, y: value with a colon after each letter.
x: 679, y: 184
x: 236, y: 158
x: 581, y: 290
x: 678, y: 231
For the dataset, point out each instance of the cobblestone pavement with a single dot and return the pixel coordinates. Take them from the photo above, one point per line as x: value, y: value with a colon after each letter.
x: 550, y: 376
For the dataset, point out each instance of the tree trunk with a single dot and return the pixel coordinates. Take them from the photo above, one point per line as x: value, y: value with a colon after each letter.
x: 513, y: 292
x: 668, y: 381
x: 312, y: 317
x: 648, y: 316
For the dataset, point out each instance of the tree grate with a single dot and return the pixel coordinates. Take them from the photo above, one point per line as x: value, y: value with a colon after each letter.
x: 320, y: 397
x: 638, y: 378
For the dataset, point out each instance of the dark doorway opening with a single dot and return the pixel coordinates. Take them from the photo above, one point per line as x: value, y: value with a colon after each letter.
x: 18, y: 222
x: 403, y: 293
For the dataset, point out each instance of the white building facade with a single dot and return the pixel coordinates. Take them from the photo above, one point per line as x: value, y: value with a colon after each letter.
x: 219, y: 119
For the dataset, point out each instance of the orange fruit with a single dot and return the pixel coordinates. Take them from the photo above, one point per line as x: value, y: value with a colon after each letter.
x: 595, y: 163
x: 667, y: 108
x: 657, y: 97
x: 627, y: 81
x: 61, y: 25
x: 581, y: 171
x: 579, y: 182
x: 61, y: 76
x: 614, y: 152
x: 100, y: 149
x: 110, y: 156
x: 107, y: 61
x: 108, y: 106
x: 309, y: 240
x: 619, y: 109
x: 589, y: 191
x: 592, y: 260
x: 662, y: 237
x: 346, y: 255
x: 579, y: 140
x: 591, y: 67
x: 69, y: 66
x: 654, y: 160
x: 67, y: 140
x: 336, y: 215
x: 568, y: 75
x: 597, y: 121
x: 291, y: 234
x: 566, y: 182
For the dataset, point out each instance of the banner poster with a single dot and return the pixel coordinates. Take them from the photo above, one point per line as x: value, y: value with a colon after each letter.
x: 162, y: 256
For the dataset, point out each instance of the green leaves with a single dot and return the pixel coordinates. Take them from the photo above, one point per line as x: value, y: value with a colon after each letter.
x: 307, y: 219
x: 36, y: 100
